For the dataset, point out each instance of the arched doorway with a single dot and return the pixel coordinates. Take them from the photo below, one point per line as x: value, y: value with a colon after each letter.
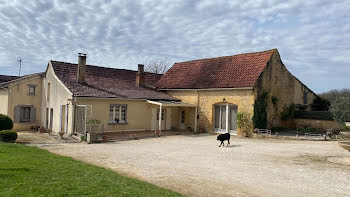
x: 225, y: 118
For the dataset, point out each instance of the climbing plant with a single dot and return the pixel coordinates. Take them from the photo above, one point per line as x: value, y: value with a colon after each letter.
x: 288, y: 112
x: 260, y: 114
x: 244, y: 122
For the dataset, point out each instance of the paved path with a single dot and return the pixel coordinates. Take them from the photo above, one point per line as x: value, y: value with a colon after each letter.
x: 35, y: 138
x: 196, y: 166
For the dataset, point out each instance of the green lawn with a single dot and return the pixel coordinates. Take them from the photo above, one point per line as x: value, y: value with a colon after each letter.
x: 30, y: 171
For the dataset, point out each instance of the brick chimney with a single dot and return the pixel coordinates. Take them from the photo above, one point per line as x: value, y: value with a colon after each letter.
x: 140, y: 75
x: 81, y: 67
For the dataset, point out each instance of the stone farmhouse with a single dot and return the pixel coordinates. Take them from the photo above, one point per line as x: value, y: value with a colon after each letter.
x: 203, y: 94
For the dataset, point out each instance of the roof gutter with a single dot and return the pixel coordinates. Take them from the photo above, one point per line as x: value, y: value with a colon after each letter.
x: 242, y: 88
x: 109, y: 98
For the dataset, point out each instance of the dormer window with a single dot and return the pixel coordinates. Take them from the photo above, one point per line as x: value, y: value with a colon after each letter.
x: 31, y: 89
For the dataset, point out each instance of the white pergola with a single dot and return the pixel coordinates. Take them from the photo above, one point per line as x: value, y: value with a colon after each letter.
x: 163, y: 103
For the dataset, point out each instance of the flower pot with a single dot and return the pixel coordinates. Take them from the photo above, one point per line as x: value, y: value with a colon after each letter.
x: 157, y: 133
x: 91, y: 137
x: 104, y: 138
x: 42, y: 130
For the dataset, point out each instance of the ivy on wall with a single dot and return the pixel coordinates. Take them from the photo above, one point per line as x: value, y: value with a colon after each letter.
x: 288, y: 112
x: 260, y: 114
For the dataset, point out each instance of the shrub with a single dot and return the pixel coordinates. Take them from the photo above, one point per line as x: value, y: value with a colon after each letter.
x: 302, y: 131
x: 5, y: 122
x: 316, y: 115
x: 8, y: 136
x: 321, y: 104
x: 275, y: 129
x: 341, y: 109
x: 346, y: 128
x: 288, y: 112
x: 245, y: 123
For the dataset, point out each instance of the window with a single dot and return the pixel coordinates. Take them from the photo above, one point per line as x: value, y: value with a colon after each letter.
x: 182, y: 116
x: 31, y: 89
x: 25, y: 114
x: 48, y: 91
x: 117, y: 114
x: 163, y: 112
x: 305, y: 97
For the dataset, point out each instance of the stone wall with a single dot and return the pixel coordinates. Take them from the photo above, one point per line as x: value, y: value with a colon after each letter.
x: 281, y: 84
x: 317, y: 124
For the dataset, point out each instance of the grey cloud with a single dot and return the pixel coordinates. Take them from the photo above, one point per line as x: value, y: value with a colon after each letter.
x: 311, y: 36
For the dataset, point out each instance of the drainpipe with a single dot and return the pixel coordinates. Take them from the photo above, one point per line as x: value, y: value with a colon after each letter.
x: 196, y: 113
x: 73, y: 115
x: 160, y: 119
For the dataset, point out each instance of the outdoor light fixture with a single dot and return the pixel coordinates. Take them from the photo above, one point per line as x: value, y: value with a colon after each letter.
x: 224, y: 100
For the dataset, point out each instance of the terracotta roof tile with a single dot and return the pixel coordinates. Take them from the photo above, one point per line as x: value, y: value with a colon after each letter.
x: 223, y: 72
x: 104, y: 82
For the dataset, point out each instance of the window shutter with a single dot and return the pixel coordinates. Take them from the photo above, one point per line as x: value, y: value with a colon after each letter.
x: 32, y: 114
x: 17, y: 114
x: 126, y: 112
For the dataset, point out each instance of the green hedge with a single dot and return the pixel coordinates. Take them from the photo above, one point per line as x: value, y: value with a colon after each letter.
x: 5, y: 122
x: 317, y: 115
x: 8, y: 136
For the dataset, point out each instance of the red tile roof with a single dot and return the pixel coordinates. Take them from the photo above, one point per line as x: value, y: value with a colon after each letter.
x: 222, y: 72
x: 108, y: 82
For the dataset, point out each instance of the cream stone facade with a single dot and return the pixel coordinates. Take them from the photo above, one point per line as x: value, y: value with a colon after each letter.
x: 4, y: 99
x: 16, y: 95
x: 140, y: 115
x: 57, y: 107
x: 207, y: 99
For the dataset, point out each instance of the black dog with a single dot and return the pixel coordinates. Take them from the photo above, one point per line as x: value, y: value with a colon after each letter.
x: 223, y: 137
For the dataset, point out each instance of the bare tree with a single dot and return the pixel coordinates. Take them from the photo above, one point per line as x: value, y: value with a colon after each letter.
x: 157, y: 65
x: 332, y: 95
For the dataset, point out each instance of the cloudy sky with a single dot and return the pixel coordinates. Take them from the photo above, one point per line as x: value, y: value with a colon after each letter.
x: 313, y: 37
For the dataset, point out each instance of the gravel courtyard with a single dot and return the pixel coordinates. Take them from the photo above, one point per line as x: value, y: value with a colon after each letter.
x: 196, y: 166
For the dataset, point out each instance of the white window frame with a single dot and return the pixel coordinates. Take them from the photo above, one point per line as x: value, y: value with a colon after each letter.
x: 119, y: 108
